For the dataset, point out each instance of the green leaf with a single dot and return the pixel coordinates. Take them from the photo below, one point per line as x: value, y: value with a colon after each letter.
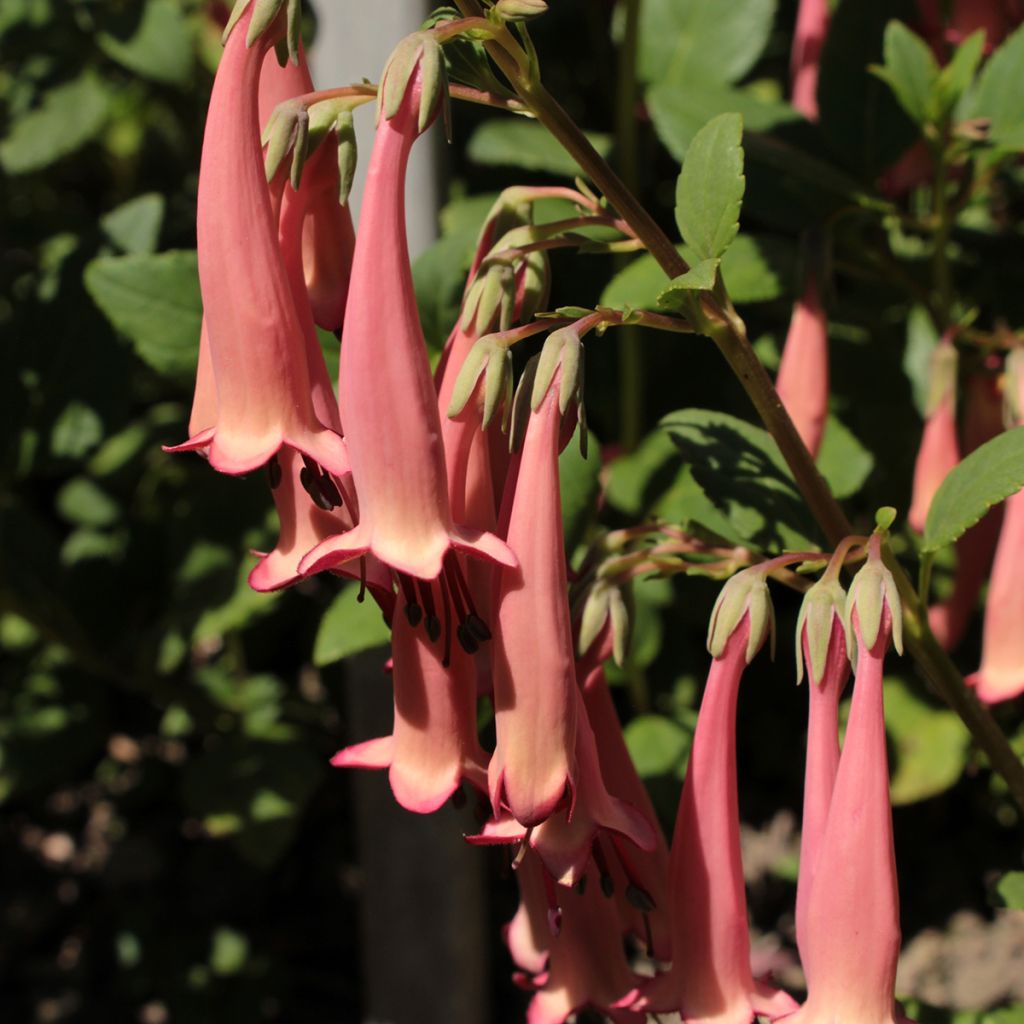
x: 680, y: 110
x: 1011, y: 890
x: 701, y: 277
x: 999, y: 94
x: 502, y: 142
x: 76, y: 431
x: 657, y: 745
x: 861, y: 120
x: 956, y: 77
x: 931, y: 745
x: 843, y: 461
x: 709, y: 191
x: 910, y: 69
x: 159, y: 47
x: 578, y: 484
x: 702, y: 41
x: 154, y: 301
x: 349, y: 627
x: 742, y: 471
x: 984, y: 478
x: 134, y: 226
x: 755, y: 268
x: 242, y: 607
x: 85, y: 503
x: 69, y: 116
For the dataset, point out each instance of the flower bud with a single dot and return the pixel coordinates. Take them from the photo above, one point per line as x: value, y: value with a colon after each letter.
x: 418, y: 49
x: 871, y: 590
x: 603, y: 604
x: 520, y: 10
x: 490, y: 358
x: 823, y: 604
x: 746, y: 593
x: 563, y: 348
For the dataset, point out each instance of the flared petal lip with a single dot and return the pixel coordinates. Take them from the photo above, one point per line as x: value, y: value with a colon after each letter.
x: 993, y: 687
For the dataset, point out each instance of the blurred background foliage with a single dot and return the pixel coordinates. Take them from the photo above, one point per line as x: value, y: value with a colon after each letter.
x: 172, y: 843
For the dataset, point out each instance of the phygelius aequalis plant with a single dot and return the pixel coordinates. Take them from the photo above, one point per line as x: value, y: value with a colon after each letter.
x: 940, y: 450
x: 434, y: 744
x: 710, y: 978
x: 821, y: 646
x: 532, y: 658
x: 803, y: 379
x: 1001, y: 675
x: 386, y: 394
x: 851, y: 927
x: 805, y: 57
x: 255, y: 337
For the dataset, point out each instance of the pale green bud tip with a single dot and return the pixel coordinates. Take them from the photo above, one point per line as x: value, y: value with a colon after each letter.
x: 420, y: 50
x: 873, y: 589
x: 745, y: 594
x: 885, y: 517
x: 520, y: 10
x: 604, y: 604
x: 563, y: 348
x: 823, y: 605
x: 489, y: 359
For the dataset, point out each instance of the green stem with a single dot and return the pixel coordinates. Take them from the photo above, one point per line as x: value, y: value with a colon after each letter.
x: 631, y: 355
x: 719, y: 319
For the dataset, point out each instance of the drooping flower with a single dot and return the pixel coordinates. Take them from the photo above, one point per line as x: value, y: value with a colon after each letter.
x: 535, y: 703
x: 821, y: 642
x: 805, y: 58
x: 255, y: 336
x: 1001, y: 675
x: 640, y: 876
x: 803, y: 377
x: 710, y: 978
x: 940, y: 450
x: 586, y: 966
x: 386, y: 395
x: 434, y: 744
x: 983, y: 419
x: 851, y: 926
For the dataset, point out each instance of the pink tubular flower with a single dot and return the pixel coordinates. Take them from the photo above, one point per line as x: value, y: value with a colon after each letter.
x: 939, y: 451
x: 535, y: 704
x: 587, y: 966
x: 255, y: 337
x: 808, y: 40
x: 434, y: 745
x: 1001, y: 675
x: 710, y: 978
x: 564, y: 840
x: 803, y: 381
x: 983, y: 419
x: 821, y: 640
x: 851, y: 926
x: 640, y: 876
x: 386, y: 395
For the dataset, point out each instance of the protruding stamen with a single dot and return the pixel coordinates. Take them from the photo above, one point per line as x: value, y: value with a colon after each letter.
x: 273, y: 472
x: 466, y: 639
x: 361, y: 596
x: 475, y: 625
x: 446, y: 605
x: 413, y: 612
x: 310, y: 481
x: 330, y: 489
x: 432, y: 623
x: 607, y: 882
x: 581, y: 885
x: 640, y: 898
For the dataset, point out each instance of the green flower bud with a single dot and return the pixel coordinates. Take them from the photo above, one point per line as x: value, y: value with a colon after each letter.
x: 823, y: 605
x: 745, y: 594
x: 871, y: 590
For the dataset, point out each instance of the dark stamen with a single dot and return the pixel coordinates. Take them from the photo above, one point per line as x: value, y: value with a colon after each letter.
x: 330, y: 489
x: 639, y: 898
x: 311, y: 485
x: 361, y: 596
x: 581, y: 885
x: 466, y: 639
x: 445, y: 602
x: 477, y: 627
x: 607, y: 882
x: 413, y: 612
x: 274, y: 472
x: 432, y: 623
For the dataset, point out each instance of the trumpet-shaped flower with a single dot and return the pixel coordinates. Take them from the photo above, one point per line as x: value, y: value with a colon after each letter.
x: 983, y: 419
x: 940, y: 450
x: 535, y: 705
x: 805, y: 58
x: 434, y: 744
x: 386, y: 395
x: 851, y: 926
x: 255, y: 336
x: 710, y: 978
x: 803, y: 379
x: 587, y: 966
x: 1001, y: 675
x: 821, y: 641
